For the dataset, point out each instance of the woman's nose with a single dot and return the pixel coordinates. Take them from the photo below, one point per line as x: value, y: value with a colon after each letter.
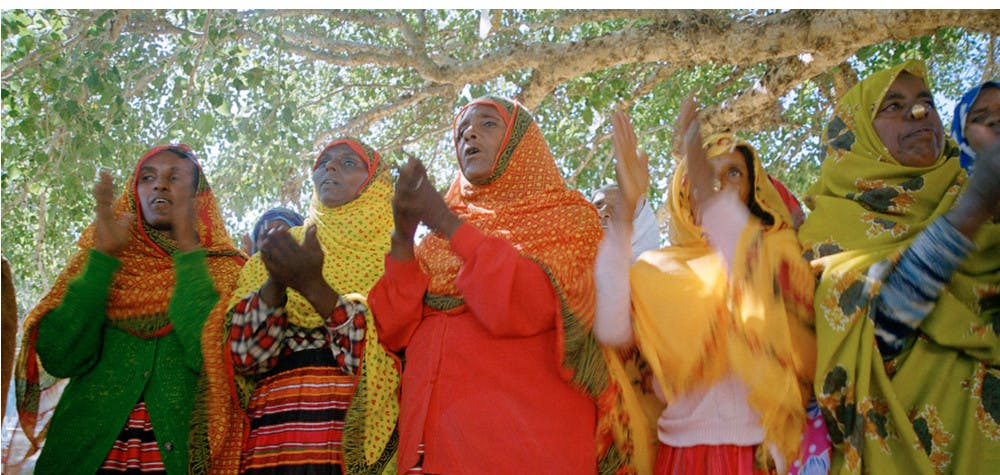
x: 918, y: 111
x: 162, y: 183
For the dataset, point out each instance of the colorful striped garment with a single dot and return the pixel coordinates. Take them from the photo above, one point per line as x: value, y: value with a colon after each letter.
x: 270, y: 352
x: 135, y: 450
x: 307, y: 378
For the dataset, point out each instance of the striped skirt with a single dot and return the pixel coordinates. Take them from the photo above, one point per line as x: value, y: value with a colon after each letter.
x: 135, y: 450
x: 297, y: 417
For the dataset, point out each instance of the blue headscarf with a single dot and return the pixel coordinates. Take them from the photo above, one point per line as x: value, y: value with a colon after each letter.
x: 291, y: 218
x: 958, y: 123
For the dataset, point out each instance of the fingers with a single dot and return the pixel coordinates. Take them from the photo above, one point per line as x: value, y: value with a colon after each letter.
x: 104, y: 194
x: 246, y: 243
x: 311, y: 241
x: 687, y: 114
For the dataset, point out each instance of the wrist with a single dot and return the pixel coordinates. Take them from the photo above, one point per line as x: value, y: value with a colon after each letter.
x: 401, y: 248
x: 448, y: 223
x: 273, y: 293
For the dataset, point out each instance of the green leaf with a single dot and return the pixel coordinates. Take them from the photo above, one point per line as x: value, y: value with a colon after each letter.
x: 215, y: 99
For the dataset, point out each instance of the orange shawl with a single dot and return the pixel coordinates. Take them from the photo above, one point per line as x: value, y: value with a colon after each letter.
x: 527, y: 203
x: 140, y: 290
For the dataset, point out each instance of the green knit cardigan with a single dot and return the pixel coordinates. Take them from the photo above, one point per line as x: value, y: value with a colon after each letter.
x: 111, y: 370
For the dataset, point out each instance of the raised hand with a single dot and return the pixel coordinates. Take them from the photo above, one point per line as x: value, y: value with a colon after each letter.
x: 291, y: 264
x: 700, y: 175
x: 417, y: 198
x: 986, y: 173
x: 111, y: 234
x: 979, y: 202
x: 300, y: 267
x: 183, y: 221
x: 246, y: 243
x: 631, y: 168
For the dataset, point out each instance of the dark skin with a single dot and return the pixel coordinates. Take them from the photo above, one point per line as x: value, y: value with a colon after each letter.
x: 632, y: 168
x: 416, y: 200
x: 979, y: 203
x: 112, y: 234
x: 300, y: 266
x: 296, y: 266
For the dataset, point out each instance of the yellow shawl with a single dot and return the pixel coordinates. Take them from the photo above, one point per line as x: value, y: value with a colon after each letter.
x: 527, y: 203
x: 354, y: 238
x: 693, y: 325
x: 933, y: 407
x: 140, y: 289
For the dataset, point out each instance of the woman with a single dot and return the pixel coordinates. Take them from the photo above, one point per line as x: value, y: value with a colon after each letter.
x: 493, y: 311
x: 906, y: 304
x: 124, y: 323
x: 980, y: 105
x: 317, y: 387
x: 722, y: 316
x: 272, y: 219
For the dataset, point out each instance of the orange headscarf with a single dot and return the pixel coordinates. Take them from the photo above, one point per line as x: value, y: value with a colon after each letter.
x: 140, y: 289
x: 526, y: 202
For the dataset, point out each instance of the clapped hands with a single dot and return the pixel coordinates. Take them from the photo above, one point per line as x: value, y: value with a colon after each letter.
x: 415, y: 201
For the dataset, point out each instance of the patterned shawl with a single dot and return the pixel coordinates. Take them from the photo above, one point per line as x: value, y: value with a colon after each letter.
x: 693, y: 324
x: 354, y: 238
x: 527, y: 203
x: 140, y: 290
x: 922, y: 411
x: 968, y: 155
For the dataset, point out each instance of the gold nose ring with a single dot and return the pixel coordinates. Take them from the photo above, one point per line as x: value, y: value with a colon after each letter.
x: 919, y: 111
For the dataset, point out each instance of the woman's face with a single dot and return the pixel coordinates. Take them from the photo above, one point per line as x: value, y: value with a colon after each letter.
x: 985, y: 111
x: 913, y: 139
x: 163, y: 180
x: 731, y: 170
x: 338, y: 175
x: 478, y: 137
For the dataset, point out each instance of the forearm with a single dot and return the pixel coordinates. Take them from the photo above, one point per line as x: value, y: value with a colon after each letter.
x: 70, y: 336
x: 346, y: 329
x: 612, y: 321
x: 912, y: 288
x: 193, y: 299
x: 510, y: 294
x: 256, y: 334
x: 397, y: 302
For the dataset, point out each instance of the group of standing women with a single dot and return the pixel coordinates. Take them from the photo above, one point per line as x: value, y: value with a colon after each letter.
x: 493, y: 346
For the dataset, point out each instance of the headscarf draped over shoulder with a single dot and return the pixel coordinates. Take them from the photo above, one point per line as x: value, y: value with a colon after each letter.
x: 756, y: 322
x: 968, y: 155
x: 354, y: 238
x: 140, y: 289
x: 526, y: 202
x: 867, y: 210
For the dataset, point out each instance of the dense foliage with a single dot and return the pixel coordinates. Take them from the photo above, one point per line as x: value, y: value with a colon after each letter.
x: 257, y: 93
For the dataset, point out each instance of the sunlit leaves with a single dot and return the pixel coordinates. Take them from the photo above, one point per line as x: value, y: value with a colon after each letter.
x: 258, y: 93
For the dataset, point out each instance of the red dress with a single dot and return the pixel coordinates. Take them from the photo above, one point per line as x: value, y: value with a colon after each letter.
x: 481, y: 387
